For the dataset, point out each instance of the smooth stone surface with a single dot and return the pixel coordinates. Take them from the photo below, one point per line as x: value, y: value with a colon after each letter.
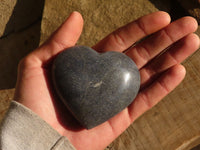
x: 94, y: 86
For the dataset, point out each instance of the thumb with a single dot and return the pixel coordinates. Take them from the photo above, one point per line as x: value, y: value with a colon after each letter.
x: 65, y: 36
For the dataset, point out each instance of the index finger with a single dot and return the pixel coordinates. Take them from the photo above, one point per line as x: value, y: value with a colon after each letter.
x: 124, y: 37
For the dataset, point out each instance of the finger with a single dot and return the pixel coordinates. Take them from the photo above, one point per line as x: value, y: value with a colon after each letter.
x: 152, y: 46
x: 175, y: 55
x: 65, y: 36
x: 150, y: 96
x: 125, y: 36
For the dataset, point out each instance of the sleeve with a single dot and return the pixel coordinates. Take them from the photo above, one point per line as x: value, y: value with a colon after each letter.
x: 21, y: 129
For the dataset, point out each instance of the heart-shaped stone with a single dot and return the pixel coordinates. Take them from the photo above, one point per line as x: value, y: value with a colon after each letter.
x: 95, y: 86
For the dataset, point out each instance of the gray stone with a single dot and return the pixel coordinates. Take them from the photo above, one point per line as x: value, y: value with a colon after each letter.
x: 94, y: 86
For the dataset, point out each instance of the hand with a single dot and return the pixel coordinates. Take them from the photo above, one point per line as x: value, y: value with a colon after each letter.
x: 159, y: 67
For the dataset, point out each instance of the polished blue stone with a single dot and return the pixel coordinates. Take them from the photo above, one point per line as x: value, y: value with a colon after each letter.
x: 95, y: 86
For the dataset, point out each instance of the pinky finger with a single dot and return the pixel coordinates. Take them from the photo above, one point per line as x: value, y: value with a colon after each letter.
x: 151, y: 95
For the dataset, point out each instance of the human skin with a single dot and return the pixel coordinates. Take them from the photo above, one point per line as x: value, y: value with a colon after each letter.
x: 159, y: 75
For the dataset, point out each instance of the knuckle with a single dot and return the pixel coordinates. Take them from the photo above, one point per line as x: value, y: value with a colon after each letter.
x: 26, y: 62
x: 23, y: 63
x: 119, y: 40
x: 141, y: 26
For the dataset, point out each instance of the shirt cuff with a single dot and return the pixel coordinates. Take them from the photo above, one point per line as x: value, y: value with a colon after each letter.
x: 22, y: 129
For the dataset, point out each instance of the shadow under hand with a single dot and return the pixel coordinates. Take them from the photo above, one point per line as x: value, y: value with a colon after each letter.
x: 21, y: 35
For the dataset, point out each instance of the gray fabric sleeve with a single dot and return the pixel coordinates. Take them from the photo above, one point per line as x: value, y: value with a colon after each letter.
x: 21, y: 129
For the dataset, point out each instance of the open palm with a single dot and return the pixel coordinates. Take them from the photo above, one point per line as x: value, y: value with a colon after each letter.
x: 158, y: 58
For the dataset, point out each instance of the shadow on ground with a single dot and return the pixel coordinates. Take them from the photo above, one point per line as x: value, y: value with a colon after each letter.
x: 21, y: 35
x: 173, y: 7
